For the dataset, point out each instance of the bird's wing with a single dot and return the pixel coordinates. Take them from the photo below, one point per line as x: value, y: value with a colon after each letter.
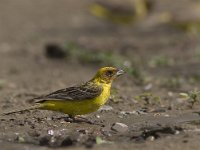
x: 85, y: 91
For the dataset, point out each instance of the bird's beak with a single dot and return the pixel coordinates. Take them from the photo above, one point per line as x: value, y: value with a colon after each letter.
x: 120, y: 72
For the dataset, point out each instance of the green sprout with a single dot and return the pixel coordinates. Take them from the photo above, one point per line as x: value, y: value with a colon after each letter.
x: 173, y: 82
x: 99, y: 140
x: 192, y: 97
x: 161, y: 61
x: 148, y: 98
x: 100, y: 58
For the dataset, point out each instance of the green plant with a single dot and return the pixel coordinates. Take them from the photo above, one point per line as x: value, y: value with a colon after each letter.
x: 192, y: 97
x: 148, y: 99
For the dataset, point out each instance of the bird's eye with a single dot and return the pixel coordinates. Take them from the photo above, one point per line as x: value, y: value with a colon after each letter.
x: 109, y: 73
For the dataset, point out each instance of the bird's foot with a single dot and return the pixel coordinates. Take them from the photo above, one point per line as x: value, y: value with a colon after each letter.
x: 78, y: 119
x: 83, y: 119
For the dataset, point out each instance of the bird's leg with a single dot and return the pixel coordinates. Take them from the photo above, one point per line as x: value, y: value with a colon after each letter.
x: 83, y: 119
x: 86, y: 120
x: 78, y: 119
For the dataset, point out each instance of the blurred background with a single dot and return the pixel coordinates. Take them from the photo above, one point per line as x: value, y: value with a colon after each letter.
x: 142, y: 36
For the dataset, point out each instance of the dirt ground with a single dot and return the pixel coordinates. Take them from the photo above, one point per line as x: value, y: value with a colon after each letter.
x: 168, y: 59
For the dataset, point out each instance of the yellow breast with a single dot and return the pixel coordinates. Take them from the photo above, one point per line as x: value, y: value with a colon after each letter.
x: 79, y: 107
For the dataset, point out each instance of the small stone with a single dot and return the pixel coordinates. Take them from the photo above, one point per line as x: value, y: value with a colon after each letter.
x: 177, y: 132
x: 21, y: 139
x: 121, y: 116
x: 148, y: 87
x: 106, y: 108
x: 49, y: 118
x: 119, y: 127
x: 50, y: 132
x: 150, y: 138
x: 166, y: 115
x: 127, y: 112
x: 98, y: 116
x: 170, y: 93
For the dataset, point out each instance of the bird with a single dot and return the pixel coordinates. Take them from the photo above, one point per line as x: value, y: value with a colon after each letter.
x: 80, y: 99
x: 120, y: 12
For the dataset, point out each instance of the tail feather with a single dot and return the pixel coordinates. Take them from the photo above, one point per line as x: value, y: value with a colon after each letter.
x: 21, y: 110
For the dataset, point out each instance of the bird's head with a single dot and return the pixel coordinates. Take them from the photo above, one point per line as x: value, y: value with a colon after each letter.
x: 107, y: 74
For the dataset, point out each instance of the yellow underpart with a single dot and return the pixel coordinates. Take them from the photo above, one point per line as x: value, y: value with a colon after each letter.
x: 78, y: 107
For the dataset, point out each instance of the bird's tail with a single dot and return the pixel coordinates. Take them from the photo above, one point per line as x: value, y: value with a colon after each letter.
x: 21, y: 110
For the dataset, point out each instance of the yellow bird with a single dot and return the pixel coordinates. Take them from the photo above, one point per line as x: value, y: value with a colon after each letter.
x: 79, y: 100
x: 120, y: 12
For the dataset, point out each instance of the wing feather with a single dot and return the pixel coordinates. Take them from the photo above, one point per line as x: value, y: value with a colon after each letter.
x: 85, y: 91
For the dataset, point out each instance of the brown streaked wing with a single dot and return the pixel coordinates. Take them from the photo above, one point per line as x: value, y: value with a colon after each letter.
x: 85, y: 91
